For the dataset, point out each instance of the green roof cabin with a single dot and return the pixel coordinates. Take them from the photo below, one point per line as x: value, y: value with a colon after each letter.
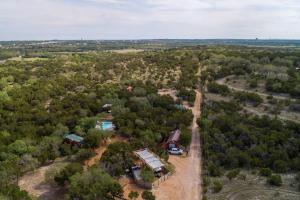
x: 73, y: 139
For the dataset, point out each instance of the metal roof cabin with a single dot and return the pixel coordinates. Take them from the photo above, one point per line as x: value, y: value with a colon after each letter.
x: 173, y: 140
x: 150, y: 159
x: 73, y: 139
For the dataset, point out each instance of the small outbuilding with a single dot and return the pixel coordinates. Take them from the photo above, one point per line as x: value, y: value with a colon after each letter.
x: 173, y: 140
x: 150, y: 159
x: 73, y: 139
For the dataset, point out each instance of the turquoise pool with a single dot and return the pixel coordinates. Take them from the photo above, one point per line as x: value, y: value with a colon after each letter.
x: 106, y: 125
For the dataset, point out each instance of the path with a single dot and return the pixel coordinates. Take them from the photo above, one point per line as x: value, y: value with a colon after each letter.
x: 185, y: 183
x: 222, y: 81
x: 101, y: 149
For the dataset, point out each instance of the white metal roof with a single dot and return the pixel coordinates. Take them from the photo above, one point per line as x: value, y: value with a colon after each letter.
x: 150, y: 159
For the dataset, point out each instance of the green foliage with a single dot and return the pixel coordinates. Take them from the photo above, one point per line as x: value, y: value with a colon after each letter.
x: 280, y: 166
x: 248, y: 97
x: 147, y: 195
x: 217, y: 186
x: 265, y: 172
x: 65, y: 174
x: 213, y: 87
x: 117, y: 158
x: 214, y: 170
x: 93, y: 138
x: 185, y: 137
x: 147, y: 175
x: 233, y: 174
x: 10, y: 192
x: 133, y: 195
x: 84, y: 154
x: 94, y: 184
x: 249, y: 141
x: 253, y: 83
x: 275, y: 180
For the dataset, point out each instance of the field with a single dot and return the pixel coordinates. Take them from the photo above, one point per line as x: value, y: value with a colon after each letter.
x: 255, y: 187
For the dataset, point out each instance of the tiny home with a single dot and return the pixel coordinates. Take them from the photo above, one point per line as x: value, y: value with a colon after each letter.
x: 73, y: 139
x: 150, y: 159
x: 173, y: 140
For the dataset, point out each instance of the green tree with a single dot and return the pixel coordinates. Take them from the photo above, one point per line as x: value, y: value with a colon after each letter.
x: 133, y: 195
x: 64, y: 175
x: 147, y: 175
x: 94, y: 184
x: 147, y: 195
x: 265, y: 172
x: 275, y: 180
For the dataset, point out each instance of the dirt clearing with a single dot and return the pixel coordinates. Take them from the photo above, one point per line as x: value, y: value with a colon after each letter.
x: 34, y: 182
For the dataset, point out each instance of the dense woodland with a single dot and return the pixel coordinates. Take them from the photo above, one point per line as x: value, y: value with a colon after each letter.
x: 234, y: 140
x: 42, y: 100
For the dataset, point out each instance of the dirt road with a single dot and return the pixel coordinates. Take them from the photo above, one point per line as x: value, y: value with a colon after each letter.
x: 222, y: 81
x: 185, y: 183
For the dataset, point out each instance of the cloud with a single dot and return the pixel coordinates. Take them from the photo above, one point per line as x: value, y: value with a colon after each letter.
x: 127, y: 19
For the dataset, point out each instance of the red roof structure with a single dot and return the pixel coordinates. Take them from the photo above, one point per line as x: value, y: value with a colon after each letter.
x: 173, y: 140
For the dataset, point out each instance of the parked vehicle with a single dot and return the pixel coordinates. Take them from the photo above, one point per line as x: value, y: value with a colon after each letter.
x: 175, y: 151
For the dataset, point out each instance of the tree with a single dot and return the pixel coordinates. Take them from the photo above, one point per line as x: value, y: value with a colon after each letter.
x: 147, y: 195
x: 214, y: 170
x: 280, y: 166
x: 64, y: 176
x: 133, y: 195
x: 93, y: 138
x: 94, y: 184
x: 19, y: 147
x: 147, y: 175
x: 275, y: 180
x: 185, y: 137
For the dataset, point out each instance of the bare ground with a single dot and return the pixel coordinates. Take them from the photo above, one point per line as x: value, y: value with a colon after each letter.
x: 34, y: 183
x: 185, y: 183
x: 129, y: 185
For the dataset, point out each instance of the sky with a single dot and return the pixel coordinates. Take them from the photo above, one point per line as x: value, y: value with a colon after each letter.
x: 149, y: 19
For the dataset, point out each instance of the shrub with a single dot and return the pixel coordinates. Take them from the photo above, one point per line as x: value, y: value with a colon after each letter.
x: 232, y: 174
x: 280, y: 166
x: 133, y: 195
x: 275, y: 180
x: 265, y: 172
x: 147, y: 195
x: 147, y: 175
x: 217, y: 186
x: 219, y: 89
x: 214, y: 170
x: 67, y: 172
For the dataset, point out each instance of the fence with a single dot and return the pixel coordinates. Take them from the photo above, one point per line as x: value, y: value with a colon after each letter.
x: 163, y: 178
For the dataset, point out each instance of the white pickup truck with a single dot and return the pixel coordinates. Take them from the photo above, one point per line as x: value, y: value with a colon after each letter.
x: 175, y: 151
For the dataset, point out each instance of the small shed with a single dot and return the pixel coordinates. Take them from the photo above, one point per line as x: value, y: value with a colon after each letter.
x: 173, y: 140
x: 107, y: 107
x: 73, y: 139
x: 150, y: 159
